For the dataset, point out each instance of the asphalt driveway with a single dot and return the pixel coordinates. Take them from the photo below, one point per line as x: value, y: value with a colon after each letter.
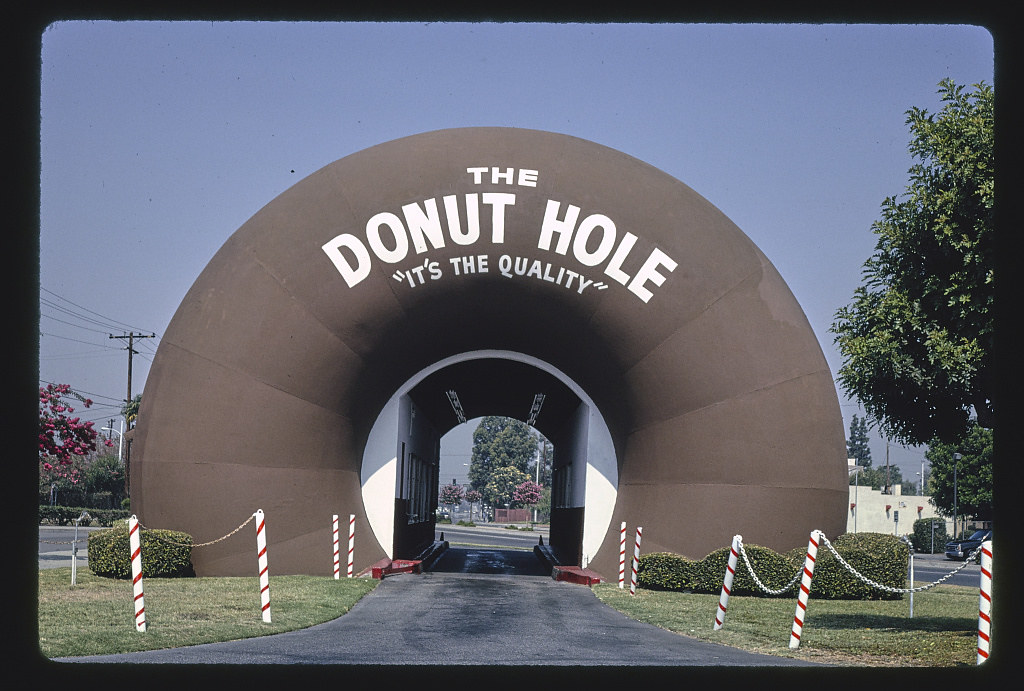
x: 508, y: 612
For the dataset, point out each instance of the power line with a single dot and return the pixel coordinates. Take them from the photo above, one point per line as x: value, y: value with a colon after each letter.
x: 110, y: 323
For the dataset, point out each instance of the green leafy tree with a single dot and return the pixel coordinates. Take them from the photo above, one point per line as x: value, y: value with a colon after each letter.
x: 501, y: 487
x: 917, y: 338
x: 130, y: 410
x: 875, y: 478
x: 500, y: 442
x: 857, y: 445
x: 973, y: 474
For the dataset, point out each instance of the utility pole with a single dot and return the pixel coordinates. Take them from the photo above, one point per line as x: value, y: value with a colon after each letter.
x: 131, y: 336
x: 887, y: 490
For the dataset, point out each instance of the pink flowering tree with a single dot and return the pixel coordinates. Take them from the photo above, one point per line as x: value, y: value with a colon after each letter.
x: 62, y: 438
x: 451, y: 495
x: 527, y: 493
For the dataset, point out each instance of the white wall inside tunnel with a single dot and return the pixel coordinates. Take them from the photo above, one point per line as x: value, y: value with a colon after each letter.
x: 595, y: 479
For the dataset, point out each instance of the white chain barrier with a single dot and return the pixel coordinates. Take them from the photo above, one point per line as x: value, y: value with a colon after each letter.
x: 806, y: 574
x: 890, y: 589
x: 135, y: 545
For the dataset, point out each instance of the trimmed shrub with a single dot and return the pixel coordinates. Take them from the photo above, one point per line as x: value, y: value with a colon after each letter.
x: 665, y: 571
x: 922, y: 536
x: 880, y: 557
x: 165, y: 553
x: 67, y: 515
x: 773, y: 569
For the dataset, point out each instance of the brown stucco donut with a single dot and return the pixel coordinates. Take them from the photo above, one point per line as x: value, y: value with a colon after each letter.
x: 573, y: 270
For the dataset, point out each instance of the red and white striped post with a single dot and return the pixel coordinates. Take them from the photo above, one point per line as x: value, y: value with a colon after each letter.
x: 985, y: 602
x: 805, y: 590
x: 636, y: 559
x: 135, y: 545
x: 351, y: 542
x: 622, y: 555
x: 730, y: 572
x: 261, y: 554
x: 337, y: 550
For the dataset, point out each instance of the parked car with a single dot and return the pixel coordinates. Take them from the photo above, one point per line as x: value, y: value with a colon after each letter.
x: 961, y: 549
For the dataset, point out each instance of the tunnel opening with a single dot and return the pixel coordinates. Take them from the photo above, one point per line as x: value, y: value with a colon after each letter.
x: 401, y: 465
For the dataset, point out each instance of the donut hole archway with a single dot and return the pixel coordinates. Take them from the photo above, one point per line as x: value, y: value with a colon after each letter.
x: 511, y: 261
x: 400, y: 463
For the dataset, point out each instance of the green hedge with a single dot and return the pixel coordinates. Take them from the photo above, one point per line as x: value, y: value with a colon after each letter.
x: 882, y: 558
x: 67, y: 515
x: 165, y: 553
x: 923, y: 538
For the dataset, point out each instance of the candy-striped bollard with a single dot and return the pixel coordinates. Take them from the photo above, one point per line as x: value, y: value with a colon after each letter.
x: 805, y: 590
x: 730, y: 572
x: 622, y: 555
x: 261, y: 549
x: 985, y: 602
x: 135, y: 545
x: 337, y: 550
x: 351, y: 542
x: 636, y: 559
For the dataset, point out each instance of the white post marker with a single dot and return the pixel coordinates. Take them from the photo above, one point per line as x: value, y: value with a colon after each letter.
x: 337, y: 551
x: 261, y: 554
x: 730, y: 572
x: 622, y: 555
x: 636, y: 559
x: 135, y: 545
x: 351, y: 542
x: 985, y: 602
x: 805, y: 590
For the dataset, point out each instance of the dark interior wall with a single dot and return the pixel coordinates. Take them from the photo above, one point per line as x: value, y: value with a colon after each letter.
x: 273, y: 370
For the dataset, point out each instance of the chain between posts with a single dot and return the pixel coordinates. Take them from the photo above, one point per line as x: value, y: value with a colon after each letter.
x: 762, y: 586
x: 862, y: 577
x: 886, y: 588
x: 202, y: 544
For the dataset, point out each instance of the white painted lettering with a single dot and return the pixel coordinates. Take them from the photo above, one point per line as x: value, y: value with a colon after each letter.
x: 505, y: 265
x: 614, y: 268
x: 527, y: 178
x: 604, y: 248
x: 649, y: 272
x: 451, y: 210
x: 424, y: 224
x: 394, y: 224
x: 497, y: 175
x: 477, y: 173
x: 564, y: 227
x: 351, y: 274
x: 499, y: 200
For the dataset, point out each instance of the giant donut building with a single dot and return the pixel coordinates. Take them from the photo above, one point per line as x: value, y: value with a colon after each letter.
x: 317, y: 361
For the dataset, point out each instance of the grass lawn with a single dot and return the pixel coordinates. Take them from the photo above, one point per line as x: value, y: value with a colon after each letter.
x: 96, y: 615
x: 942, y: 633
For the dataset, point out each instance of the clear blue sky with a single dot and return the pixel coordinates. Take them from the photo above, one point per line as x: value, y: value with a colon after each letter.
x: 158, y: 140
